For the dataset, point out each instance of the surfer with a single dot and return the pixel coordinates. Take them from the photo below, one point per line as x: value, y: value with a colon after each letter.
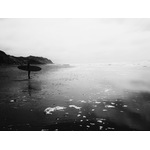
x: 28, y: 70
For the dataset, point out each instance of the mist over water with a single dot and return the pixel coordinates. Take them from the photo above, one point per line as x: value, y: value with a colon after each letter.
x: 76, y: 97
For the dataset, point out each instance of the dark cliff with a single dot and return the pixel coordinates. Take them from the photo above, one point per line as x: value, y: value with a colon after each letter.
x: 10, y: 60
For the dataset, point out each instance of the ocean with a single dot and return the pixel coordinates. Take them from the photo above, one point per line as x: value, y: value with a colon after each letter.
x: 76, y: 97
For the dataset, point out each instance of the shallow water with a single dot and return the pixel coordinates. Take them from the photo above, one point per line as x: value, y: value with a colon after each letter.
x: 81, y: 97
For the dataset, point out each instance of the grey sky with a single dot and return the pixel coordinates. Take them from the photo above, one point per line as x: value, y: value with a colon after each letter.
x: 77, y: 40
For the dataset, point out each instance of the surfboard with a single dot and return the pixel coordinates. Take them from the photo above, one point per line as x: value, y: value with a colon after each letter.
x: 31, y: 68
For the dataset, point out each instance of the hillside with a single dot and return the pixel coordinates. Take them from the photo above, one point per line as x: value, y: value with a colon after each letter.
x: 10, y: 60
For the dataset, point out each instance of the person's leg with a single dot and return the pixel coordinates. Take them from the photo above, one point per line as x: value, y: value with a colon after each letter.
x: 28, y: 74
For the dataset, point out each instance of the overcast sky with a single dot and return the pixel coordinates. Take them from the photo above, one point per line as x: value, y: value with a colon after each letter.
x: 77, y: 40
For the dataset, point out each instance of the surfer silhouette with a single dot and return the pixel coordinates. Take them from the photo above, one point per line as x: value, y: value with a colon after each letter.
x: 28, y: 70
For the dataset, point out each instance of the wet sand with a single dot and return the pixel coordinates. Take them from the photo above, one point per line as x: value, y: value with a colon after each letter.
x: 94, y: 97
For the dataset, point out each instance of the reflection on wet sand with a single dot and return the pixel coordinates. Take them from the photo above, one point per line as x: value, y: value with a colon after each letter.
x: 82, y: 98
x: 31, y: 87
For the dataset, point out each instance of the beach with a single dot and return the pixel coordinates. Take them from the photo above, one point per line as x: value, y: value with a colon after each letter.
x: 87, y: 97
